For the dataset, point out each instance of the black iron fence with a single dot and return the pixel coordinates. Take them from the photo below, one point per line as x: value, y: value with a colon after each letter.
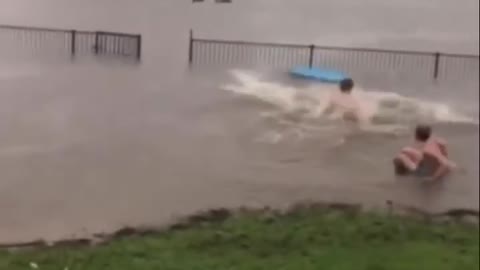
x: 20, y: 39
x: 284, y: 56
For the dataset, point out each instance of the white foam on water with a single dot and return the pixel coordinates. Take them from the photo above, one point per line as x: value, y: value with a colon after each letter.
x: 284, y: 98
x: 301, y: 107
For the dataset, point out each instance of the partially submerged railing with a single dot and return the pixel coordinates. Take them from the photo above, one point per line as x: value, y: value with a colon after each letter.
x: 69, y: 42
x: 243, y: 54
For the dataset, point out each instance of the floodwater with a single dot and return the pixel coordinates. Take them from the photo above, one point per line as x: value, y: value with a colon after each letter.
x: 90, y: 146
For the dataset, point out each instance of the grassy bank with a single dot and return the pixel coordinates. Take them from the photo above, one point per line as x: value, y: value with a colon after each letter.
x: 306, y: 239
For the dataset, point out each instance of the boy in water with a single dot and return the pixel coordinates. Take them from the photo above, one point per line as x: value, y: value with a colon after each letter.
x: 354, y: 114
x: 427, y: 157
x: 344, y: 104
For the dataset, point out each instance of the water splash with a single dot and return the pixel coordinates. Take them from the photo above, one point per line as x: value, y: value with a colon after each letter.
x: 298, y: 113
x: 380, y: 107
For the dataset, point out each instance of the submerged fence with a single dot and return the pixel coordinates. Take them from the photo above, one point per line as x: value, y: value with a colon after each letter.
x: 20, y: 39
x: 403, y: 63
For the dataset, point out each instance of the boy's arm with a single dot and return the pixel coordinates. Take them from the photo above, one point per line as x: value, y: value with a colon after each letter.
x: 445, y: 165
x: 442, y: 144
x: 441, y: 171
x: 442, y: 159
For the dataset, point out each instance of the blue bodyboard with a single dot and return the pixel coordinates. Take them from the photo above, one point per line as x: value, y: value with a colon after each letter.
x: 318, y: 74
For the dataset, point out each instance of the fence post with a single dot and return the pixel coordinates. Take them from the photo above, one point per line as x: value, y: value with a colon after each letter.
x: 310, y: 57
x: 190, y: 48
x: 139, y: 47
x: 97, y: 42
x: 436, y: 65
x: 73, y: 34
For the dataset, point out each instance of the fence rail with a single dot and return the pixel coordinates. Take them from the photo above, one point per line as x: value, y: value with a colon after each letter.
x: 430, y: 65
x: 21, y: 39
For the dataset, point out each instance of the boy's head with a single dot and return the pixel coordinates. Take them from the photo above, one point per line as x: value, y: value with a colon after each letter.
x: 423, y: 133
x: 346, y: 85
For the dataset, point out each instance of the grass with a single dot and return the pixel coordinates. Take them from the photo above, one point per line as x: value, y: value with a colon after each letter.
x: 307, y: 239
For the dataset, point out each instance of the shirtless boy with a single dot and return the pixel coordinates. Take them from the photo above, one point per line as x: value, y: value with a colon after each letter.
x: 344, y: 104
x: 427, y: 157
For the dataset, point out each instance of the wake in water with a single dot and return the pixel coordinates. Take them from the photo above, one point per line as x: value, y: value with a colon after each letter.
x: 303, y: 109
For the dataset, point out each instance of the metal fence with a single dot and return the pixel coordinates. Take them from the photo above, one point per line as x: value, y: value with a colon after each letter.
x: 20, y: 40
x: 427, y: 65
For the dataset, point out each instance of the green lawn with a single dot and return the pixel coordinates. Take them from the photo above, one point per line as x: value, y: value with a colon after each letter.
x: 307, y: 239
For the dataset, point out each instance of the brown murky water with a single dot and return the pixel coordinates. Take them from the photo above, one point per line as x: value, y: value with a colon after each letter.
x: 89, y: 147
